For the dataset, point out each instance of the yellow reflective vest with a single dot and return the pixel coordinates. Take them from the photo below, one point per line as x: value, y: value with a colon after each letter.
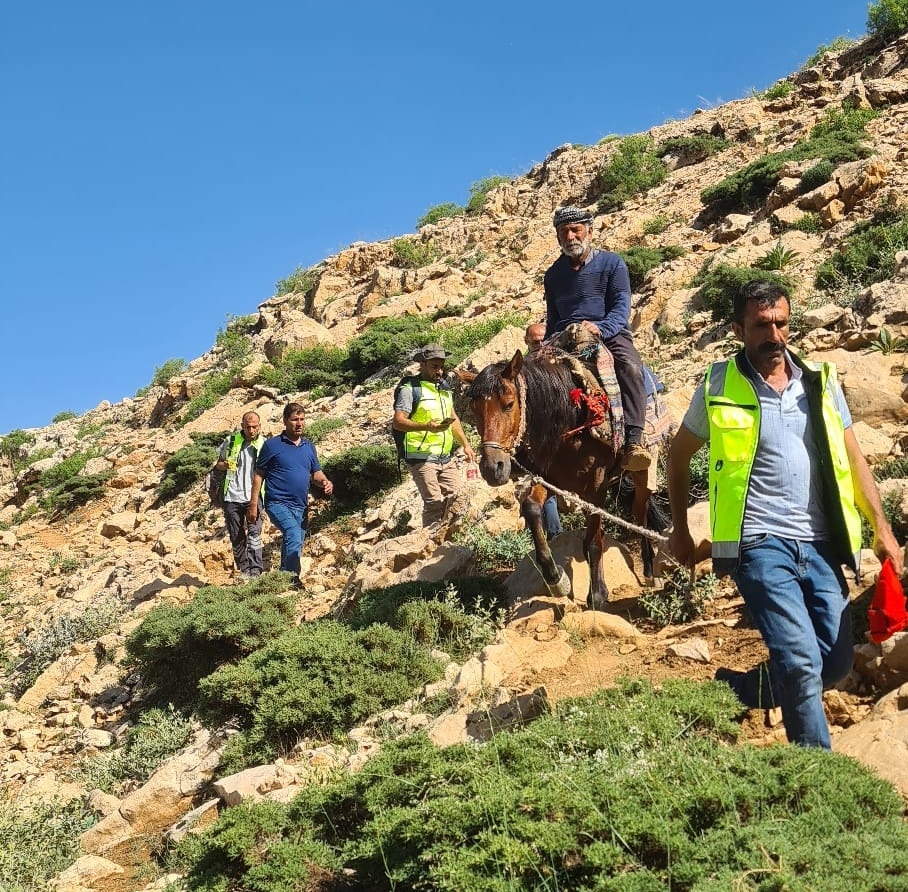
x: 435, y: 404
x: 733, y: 409
x: 236, y: 444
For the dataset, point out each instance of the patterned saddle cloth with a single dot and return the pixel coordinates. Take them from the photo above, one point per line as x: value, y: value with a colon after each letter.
x: 593, y: 368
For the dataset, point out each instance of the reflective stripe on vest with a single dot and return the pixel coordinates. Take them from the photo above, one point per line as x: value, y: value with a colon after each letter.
x: 733, y: 410
x: 435, y: 404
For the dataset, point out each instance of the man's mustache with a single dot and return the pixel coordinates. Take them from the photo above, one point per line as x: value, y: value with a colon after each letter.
x: 770, y: 347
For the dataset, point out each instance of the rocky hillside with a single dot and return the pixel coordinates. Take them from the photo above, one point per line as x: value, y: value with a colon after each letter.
x: 110, y: 558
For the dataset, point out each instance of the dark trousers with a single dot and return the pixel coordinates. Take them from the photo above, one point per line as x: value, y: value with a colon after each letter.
x: 629, y: 372
x: 245, y: 537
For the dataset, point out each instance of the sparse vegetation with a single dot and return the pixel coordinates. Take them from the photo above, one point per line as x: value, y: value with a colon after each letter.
x: 816, y: 176
x: 499, y: 552
x: 62, y: 416
x: 867, y: 253
x: 217, y: 384
x: 719, y: 282
x: 657, y: 225
x: 886, y: 342
x: 694, y: 148
x: 777, y: 258
x: 361, y: 472
x: 678, y: 601
x: 318, y: 429
x: 167, y: 370
x: 307, y: 369
x: 480, y: 190
x: 887, y: 18
x: 640, y: 260
x: 779, y: 90
x: 411, y: 253
x: 13, y: 447
x: 440, y: 212
x: 836, y: 46
x: 634, y: 169
x: 809, y: 223
x: 837, y: 138
x: 300, y: 281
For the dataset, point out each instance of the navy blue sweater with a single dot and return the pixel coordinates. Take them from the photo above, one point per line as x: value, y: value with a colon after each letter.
x: 599, y: 291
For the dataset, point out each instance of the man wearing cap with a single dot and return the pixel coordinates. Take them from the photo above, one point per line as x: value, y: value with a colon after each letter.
x: 430, y: 426
x: 592, y: 287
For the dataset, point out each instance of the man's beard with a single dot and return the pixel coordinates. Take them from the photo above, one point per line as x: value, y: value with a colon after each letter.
x: 575, y: 250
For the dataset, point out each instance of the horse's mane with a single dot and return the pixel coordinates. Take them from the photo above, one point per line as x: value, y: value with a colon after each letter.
x: 549, y: 410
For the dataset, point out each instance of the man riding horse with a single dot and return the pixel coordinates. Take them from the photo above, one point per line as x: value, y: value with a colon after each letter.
x: 592, y: 287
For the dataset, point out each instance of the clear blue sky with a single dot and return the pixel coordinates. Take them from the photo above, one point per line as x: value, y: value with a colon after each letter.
x: 163, y: 163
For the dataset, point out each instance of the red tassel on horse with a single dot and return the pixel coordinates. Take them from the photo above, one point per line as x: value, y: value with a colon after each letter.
x: 887, y: 614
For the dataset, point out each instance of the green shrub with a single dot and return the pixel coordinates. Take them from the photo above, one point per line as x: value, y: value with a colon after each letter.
x: 694, y: 148
x: 887, y: 18
x: 460, y: 616
x: 836, y: 138
x: 657, y: 225
x: 300, y: 281
x: 719, y: 283
x: 411, y: 253
x: 779, y: 90
x: 891, y: 469
x: 836, y: 46
x: 156, y: 736
x: 38, y: 841
x: 461, y: 340
x: 190, y: 464
x: 13, y: 446
x: 678, y: 601
x: 440, y: 212
x: 43, y: 646
x: 867, y: 254
x: 633, y: 788
x: 75, y: 492
x: 816, y: 176
x: 318, y: 429
x: 318, y: 679
x: 217, y: 385
x: 361, y: 471
x: 640, y: 260
x: 176, y: 646
x: 635, y: 169
x: 386, y: 342
x: 309, y: 368
x: 810, y: 223
x: 777, y: 257
x: 167, y: 370
x: 479, y: 192
x: 64, y: 470
x: 62, y: 416
x: 500, y: 552
x: 232, y: 340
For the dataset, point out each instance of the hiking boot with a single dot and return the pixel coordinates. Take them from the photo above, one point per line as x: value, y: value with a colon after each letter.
x: 636, y: 457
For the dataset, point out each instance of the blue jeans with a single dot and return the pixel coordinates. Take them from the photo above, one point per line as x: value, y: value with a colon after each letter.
x: 798, y: 597
x: 292, y: 524
x: 551, y: 522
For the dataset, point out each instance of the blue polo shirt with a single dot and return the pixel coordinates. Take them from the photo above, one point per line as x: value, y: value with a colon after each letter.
x: 599, y: 291
x: 287, y: 468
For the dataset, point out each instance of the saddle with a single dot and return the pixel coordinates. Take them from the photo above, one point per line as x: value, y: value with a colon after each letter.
x: 593, y: 369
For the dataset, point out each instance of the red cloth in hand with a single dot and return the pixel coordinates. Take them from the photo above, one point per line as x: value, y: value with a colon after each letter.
x: 887, y: 612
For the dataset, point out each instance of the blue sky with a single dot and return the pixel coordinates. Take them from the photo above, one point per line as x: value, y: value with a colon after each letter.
x: 164, y: 163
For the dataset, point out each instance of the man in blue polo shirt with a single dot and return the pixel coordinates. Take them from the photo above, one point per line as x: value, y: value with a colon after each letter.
x: 286, y: 465
x: 593, y: 288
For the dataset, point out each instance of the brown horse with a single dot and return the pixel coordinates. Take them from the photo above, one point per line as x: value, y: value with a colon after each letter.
x: 523, y: 411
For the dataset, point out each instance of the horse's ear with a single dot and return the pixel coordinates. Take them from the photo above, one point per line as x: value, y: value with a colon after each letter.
x: 512, y: 369
x: 464, y: 375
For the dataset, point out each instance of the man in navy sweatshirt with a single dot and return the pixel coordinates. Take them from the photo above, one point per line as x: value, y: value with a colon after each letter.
x: 593, y: 287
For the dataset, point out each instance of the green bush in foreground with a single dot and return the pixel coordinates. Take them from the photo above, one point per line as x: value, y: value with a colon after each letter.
x: 361, y: 471
x: 410, y: 253
x: 719, y: 282
x: 640, y: 260
x: 631, y: 789
x: 176, y: 646
x: 38, y: 841
x: 318, y: 679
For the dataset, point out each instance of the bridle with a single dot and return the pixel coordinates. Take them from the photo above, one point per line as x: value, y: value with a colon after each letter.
x: 521, y: 387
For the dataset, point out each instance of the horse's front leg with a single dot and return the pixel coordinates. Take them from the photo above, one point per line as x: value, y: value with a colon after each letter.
x: 593, y: 546
x: 555, y: 578
x: 640, y: 515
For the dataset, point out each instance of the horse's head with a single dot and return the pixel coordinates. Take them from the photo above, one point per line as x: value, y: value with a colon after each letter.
x: 495, y: 404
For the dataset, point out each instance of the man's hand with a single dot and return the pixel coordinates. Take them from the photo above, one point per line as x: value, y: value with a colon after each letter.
x: 327, y: 486
x: 885, y: 545
x: 681, y: 546
x: 252, y: 512
x: 591, y: 327
x: 470, y: 454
